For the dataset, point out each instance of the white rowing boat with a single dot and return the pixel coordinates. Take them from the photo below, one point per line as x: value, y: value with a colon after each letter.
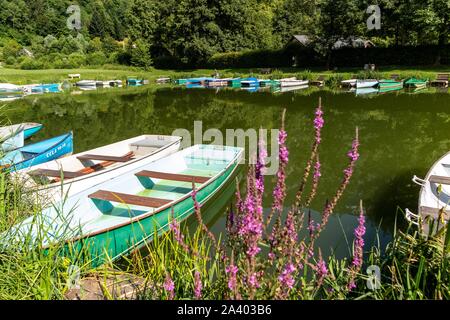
x: 369, y: 83
x: 292, y: 82
x: 434, y: 198
x: 70, y: 175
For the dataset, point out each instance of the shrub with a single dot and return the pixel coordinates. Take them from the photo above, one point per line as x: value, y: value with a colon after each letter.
x: 31, y: 64
x: 96, y: 58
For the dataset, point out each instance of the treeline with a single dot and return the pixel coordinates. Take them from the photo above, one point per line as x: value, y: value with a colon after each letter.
x: 187, y: 33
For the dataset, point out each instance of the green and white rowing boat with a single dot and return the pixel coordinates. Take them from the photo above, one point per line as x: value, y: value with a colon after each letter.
x: 118, y: 216
x: 416, y: 83
x: 390, y: 85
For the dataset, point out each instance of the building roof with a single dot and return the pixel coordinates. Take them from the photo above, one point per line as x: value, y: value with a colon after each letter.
x: 352, y: 41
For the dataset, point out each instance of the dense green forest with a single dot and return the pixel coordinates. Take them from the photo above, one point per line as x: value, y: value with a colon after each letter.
x: 148, y: 32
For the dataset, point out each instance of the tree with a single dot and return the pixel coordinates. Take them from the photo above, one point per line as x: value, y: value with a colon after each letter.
x: 339, y: 20
x: 140, y: 54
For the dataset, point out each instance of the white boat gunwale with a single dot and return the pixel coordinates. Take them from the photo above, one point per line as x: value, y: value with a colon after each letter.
x: 69, y: 181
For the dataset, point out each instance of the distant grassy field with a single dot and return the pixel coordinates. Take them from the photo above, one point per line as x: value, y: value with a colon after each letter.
x: 19, y: 76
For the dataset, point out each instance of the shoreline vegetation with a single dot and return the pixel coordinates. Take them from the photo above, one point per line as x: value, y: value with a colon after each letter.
x: 260, y: 256
x: 21, y: 77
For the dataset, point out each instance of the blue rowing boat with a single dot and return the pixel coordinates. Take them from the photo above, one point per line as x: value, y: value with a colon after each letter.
x: 31, y: 129
x: 250, y: 82
x: 43, y: 88
x: 39, y: 152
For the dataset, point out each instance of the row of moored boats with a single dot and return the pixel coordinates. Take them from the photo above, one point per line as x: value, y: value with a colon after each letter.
x: 108, y: 201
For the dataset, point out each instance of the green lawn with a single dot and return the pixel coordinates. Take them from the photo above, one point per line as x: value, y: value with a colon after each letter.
x: 18, y: 76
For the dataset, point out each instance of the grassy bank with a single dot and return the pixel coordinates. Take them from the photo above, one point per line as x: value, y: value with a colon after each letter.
x: 19, y: 76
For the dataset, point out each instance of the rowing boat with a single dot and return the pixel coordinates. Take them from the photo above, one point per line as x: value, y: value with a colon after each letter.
x: 235, y: 83
x: 390, y: 85
x: 368, y: 83
x: 416, y: 83
x: 13, y: 136
x: 292, y: 82
x: 86, y: 83
x: 217, y: 82
x: 115, y: 217
x: 349, y: 83
x: 8, y: 88
x: 75, y: 173
x: 249, y: 82
x: 268, y: 83
x: 433, y: 209
x: 288, y: 89
x: 42, y: 88
x: 37, y: 153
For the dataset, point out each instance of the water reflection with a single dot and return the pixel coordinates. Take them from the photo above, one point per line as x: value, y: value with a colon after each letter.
x: 401, y: 135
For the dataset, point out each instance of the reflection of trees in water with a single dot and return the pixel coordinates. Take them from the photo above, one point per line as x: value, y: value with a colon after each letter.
x: 400, y: 135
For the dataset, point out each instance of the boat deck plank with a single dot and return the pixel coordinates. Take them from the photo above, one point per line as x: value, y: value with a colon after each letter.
x: 439, y: 179
x: 129, y: 199
x: 172, y: 176
x: 56, y: 173
x: 103, y: 158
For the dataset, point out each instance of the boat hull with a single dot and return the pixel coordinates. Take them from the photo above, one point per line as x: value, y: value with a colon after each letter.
x: 293, y: 83
x: 360, y: 84
x: 123, y: 240
x: 42, y: 151
x: 31, y: 129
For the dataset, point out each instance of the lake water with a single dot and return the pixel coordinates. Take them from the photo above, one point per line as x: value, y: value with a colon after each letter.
x: 401, y: 135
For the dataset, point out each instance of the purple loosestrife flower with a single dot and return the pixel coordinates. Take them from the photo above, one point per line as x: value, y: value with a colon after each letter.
x: 358, y: 247
x: 279, y: 193
x: 232, y: 271
x: 321, y: 270
x: 317, y: 173
x: 169, y: 287
x: 253, y: 280
x: 197, y: 285
x: 359, y: 242
x: 175, y: 227
x: 286, y: 278
x: 319, y: 122
x: 259, y: 168
x: 348, y: 172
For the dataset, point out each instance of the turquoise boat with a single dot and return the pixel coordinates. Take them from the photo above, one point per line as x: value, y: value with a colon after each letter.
x: 31, y: 128
x: 389, y: 85
x: 134, y: 81
x: 43, y: 88
x: 199, y: 81
x: 416, y: 83
x: 37, y: 153
x: 180, y: 81
x: 268, y: 83
x: 235, y: 83
x: 117, y: 216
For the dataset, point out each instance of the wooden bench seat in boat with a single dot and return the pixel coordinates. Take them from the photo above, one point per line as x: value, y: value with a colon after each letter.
x: 439, y: 179
x: 434, y: 212
x: 104, y: 158
x: 56, y: 173
x: 172, y: 176
x: 129, y: 199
